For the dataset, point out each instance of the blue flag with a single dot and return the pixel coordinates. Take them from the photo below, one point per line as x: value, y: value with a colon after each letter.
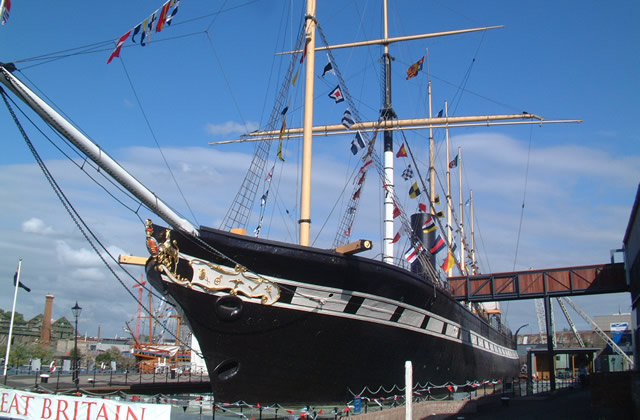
x: 15, y: 279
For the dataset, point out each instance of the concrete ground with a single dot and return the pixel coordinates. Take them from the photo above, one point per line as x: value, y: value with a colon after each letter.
x: 563, y: 404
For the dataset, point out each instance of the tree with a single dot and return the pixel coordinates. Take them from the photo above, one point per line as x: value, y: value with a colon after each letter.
x: 111, y: 355
x: 21, y: 353
x: 72, y: 356
x: 6, y: 316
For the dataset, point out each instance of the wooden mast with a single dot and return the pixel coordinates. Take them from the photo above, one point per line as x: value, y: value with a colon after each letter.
x: 463, y: 268
x: 449, y: 203
x: 305, y: 192
x: 473, y: 239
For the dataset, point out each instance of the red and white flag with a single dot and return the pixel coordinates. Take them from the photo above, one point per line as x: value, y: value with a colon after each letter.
x: 116, y: 52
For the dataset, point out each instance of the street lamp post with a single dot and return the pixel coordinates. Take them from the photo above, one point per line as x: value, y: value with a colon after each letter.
x: 76, y: 313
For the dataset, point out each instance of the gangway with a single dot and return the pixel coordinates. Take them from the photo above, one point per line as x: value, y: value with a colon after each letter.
x: 535, y: 284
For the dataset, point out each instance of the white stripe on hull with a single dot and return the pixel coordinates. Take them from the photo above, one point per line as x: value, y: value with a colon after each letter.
x: 333, y: 302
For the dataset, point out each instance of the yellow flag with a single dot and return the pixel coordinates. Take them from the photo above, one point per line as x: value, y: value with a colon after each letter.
x: 283, y: 128
x: 449, y: 262
x: 280, y: 151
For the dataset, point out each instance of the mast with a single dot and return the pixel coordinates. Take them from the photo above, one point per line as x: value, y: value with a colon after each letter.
x: 463, y: 267
x: 473, y: 239
x: 432, y: 168
x: 305, y: 192
x: 387, y: 114
x: 150, y: 317
x: 449, y: 203
x: 93, y: 151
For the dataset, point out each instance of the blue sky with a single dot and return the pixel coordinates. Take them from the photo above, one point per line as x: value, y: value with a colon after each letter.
x: 215, y: 70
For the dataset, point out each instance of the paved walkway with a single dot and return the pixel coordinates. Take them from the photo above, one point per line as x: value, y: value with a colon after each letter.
x: 563, y: 404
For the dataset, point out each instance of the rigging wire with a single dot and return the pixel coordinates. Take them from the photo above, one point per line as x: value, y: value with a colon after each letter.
x: 91, y: 48
x: 155, y: 139
x: 84, y: 229
x: 87, y: 163
x: 524, y: 196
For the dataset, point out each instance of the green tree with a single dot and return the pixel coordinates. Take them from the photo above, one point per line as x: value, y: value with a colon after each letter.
x: 43, y: 353
x: 20, y: 354
x: 6, y: 316
x: 72, y: 355
x: 113, y: 354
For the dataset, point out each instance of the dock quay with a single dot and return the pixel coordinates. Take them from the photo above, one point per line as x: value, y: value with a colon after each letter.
x: 605, y: 396
x: 107, y: 382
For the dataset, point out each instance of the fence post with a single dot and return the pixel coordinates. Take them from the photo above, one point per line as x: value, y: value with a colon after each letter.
x: 408, y: 388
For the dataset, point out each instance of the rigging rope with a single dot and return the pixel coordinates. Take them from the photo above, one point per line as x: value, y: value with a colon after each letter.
x: 84, y: 229
x: 524, y: 196
x: 155, y: 139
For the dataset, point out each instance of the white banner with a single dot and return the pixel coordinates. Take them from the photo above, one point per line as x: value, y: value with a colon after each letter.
x: 28, y: 405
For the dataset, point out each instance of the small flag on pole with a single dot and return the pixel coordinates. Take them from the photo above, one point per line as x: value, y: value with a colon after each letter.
x: 448, y: 263
x: 174, y: 4
x: 422, y: 207
x: 336, y: 94
x: 4, y: 11
x: 454, y: 162
x: 436, y: 200
x: 396, y: 238
x: 438, y: 245
x: 414, y: 191
x: 413, y: 69
x: 304, y: 52
x: 327, y: 69
x: 21, y: 284
x: 412, y: 254
x: 366, y: 165
x: 279, y: 154
x: 163, y: 16
x: 396, y: 211
x: 347, y: 119
x: 407, y: 174
x: 429, y: 225
x: 357, y: 143
x: 116, y: 52
x: 402, y: 152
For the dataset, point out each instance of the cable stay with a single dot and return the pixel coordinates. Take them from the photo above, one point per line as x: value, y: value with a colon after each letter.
x: 597, y: 330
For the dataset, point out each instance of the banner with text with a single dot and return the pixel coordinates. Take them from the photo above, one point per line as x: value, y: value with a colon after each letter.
x: 29, y: 405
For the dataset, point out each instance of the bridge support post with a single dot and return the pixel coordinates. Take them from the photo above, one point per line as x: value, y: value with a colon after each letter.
x: 552, y: 360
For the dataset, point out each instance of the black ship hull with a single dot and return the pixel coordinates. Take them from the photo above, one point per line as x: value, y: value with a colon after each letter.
x: 319, y: 326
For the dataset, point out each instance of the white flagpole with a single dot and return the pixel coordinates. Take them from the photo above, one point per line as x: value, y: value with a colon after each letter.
x: 13, y: 312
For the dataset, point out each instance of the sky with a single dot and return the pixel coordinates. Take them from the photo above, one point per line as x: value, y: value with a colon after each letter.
x: 545, y: 196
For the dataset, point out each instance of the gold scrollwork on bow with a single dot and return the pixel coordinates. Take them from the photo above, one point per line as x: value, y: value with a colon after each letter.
x: 208, y: 276
x: 215, y: 277
x: 165, y: 254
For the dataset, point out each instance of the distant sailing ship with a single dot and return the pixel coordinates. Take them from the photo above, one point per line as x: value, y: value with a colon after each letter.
x: 156, y: 355
x: 282, y: 322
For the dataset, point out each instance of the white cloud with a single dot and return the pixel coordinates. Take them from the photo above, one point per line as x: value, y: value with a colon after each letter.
x: 231, y: 127
x: 82, y: 257
x: 35, y: 225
